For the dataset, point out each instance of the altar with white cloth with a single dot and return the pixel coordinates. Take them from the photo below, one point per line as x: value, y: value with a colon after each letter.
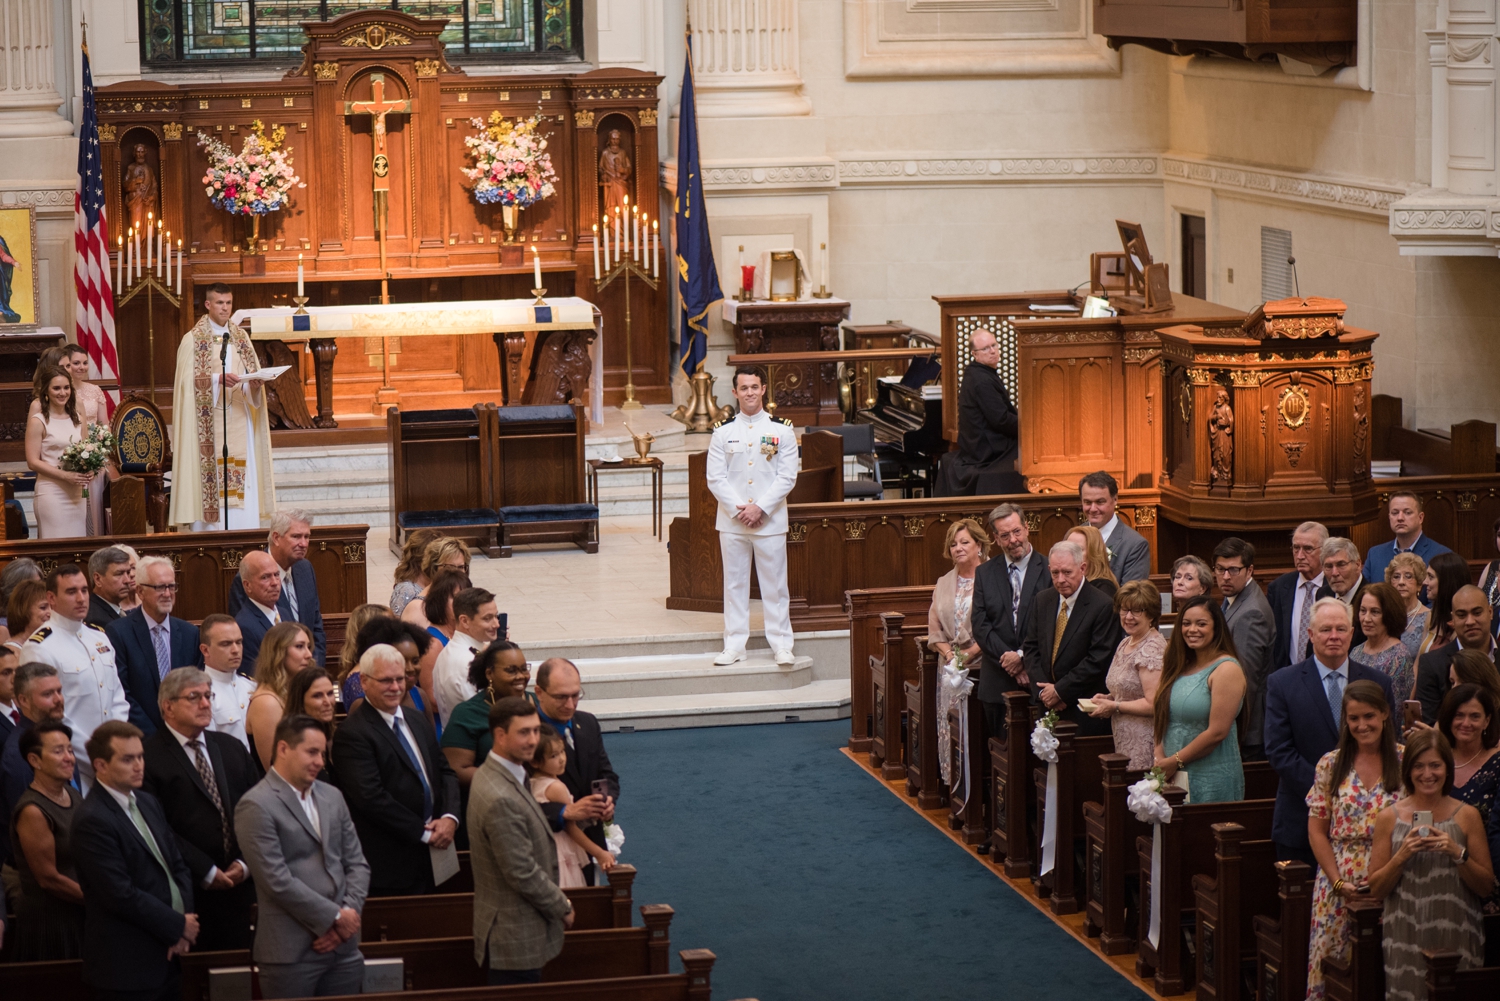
x: 561, y: 363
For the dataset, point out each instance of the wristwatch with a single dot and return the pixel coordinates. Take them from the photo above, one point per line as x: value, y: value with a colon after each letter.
x: 1463, y: 856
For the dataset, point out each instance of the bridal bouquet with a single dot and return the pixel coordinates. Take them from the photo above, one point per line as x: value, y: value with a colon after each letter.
x: 90, y: 453
x: 511, y: 165
x: 254, y: 181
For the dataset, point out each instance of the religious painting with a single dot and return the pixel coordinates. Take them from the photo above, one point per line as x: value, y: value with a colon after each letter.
x: 18, y: 269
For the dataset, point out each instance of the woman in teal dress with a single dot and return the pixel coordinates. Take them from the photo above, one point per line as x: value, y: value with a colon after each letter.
x: 1202, y: 687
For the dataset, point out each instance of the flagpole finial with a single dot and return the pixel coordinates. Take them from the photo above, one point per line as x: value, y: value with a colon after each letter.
x: 688, y: 7
x: 84, y: 24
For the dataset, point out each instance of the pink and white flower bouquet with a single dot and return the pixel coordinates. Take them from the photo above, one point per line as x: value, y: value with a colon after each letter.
x: 256, y: 180
x: 511, y: 165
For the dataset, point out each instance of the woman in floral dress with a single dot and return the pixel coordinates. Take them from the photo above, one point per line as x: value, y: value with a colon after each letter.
x: 1354, y: 782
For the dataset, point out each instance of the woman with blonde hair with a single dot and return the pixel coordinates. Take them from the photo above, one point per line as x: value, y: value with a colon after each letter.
x: 442, y: 553
x: 410, y: 580
x: 948, y: 625
x: 1405, y: 572
x: 286, y: 649
x: 348, y: 659
x: 1096, y: 558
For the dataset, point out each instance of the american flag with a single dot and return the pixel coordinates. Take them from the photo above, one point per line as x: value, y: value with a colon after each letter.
x: 91, y: 275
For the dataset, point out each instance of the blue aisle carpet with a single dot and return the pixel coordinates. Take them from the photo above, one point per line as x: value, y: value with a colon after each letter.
x: 811, y: 881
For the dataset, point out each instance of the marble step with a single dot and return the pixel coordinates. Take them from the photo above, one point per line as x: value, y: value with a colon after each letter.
x: 689, y: 674
x: 828, y: 649
x: 818, y: 700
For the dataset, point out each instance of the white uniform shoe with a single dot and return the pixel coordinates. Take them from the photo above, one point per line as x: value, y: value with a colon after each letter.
x: 729, y: 657
x: 785, y: 658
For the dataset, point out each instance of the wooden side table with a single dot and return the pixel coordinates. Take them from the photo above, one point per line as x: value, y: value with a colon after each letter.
x: 658, y: 483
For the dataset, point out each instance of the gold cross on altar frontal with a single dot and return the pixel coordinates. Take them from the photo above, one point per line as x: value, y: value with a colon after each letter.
x: 377, y: 108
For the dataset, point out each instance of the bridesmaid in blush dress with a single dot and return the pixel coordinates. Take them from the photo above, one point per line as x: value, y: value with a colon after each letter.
x: 60, y: 507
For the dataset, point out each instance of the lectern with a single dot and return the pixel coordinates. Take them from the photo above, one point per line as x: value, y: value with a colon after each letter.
x: 1267, y: 428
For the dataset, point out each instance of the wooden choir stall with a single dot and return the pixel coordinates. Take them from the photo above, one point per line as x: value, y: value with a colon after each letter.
x: 374, y: 121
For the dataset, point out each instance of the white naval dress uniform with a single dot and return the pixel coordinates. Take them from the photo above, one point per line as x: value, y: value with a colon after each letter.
x: 232, y: 692
x: 91, y: 688
x: 754, y: 459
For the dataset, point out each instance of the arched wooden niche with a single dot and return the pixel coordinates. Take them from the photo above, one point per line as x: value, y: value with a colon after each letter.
x: 140, y: 177
x: 617, y: 163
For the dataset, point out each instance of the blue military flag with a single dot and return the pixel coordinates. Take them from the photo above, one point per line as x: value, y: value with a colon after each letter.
x: 697, y: 276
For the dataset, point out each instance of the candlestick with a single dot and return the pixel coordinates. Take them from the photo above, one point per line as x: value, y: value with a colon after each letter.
x: 655, y: 245
x: 179, y: 267
x: 130, y: 258
x: 596, y: 252
x: 617, y: 232
x: 635, y: 227
x: 120, y: 263
x: 536, y: 265
x: 158, y: 247
x: 150, y: 231
x: 541, y: 296
x: 822, y: 292
x: 300, y: 289
x: 301, y: 301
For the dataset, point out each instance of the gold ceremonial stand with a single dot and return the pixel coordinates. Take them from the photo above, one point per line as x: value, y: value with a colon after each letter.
x: 150, y: 284
x: 626, y: 267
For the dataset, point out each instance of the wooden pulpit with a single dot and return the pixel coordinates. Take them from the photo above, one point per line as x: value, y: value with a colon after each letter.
x: 1270, y: 427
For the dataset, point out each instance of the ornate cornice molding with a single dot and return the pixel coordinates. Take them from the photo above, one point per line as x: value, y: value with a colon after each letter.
x: 1363, y: 197
x: 887, y: 171
x: 778, y: 175
x: 1433, y: 221
x: 48, y: 201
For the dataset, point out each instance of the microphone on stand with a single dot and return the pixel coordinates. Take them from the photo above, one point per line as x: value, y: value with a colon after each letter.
x: 1295, y: 284
x: 224, y: 410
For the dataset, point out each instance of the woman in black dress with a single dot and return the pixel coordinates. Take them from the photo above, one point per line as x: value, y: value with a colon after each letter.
x: 49, y: 916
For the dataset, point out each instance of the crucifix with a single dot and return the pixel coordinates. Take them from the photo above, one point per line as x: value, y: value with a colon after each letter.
x: 377, y: 108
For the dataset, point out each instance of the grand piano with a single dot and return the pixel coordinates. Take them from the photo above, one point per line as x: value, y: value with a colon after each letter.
x: 908, y: 422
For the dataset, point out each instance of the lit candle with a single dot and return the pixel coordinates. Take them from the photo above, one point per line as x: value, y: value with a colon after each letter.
x: 167, y: 248
x: 635, y: 233
x: 604, y: 232
x: 159, y: 248
x: 617, y: 232
x: 120, y: 262
x: 536, y: 266
x: 824, y: 248
x: 626, y: 219
x: 596, y: 252
x: 300, y: 293
x: 655, y: 245
x: 130, y: 258
x: 150, y: 232
x: 179, y: 266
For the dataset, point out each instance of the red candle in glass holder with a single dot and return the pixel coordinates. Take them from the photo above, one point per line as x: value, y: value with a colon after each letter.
x: 747, y: 277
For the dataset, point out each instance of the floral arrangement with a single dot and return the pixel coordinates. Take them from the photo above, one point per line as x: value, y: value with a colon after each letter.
x: 1043, y: 740
x: 255, y: 181
x: 614, y: 837
x: 1146, y: 801
x: 511, y: 165
x: 90, y: 453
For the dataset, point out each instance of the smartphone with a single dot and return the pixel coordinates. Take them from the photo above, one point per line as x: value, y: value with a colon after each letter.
x: 1411, y: 712
x: 1422, y: 819
x: 600, y: 787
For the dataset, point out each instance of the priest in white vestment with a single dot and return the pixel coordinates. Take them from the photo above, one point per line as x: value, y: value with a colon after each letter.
x: 200, y: 397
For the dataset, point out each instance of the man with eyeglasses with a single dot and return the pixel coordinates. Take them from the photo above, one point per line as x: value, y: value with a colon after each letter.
x: 1252, y: 626
x: 1293, y: 594
x: 988, y: 427
x: 150, y: 641
x: 199, y: 777
x: 559, y: 689
x: 1343, y: 579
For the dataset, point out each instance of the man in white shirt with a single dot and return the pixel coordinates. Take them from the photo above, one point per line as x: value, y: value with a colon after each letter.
x: 223, y: 649
x: 84, y: 659
x: 476, y: 625
x: 206, y: 365
x: 1293, y: 594
x: 1070, y: 640
x: 10, y: 713
x: 261, y: 578
x: 1129, y: 552
x: 752, y: 466
x: 1343, y: 579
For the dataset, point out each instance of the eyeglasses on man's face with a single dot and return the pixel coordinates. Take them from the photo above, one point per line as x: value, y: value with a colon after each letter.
x: 197, y: 698
x: 168, y: 588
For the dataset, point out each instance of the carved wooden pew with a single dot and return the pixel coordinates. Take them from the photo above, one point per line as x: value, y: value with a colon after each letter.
x: 923, y: 776
x: 1242, y: 887
x: 863, y: 609
x: 890, y: 670
x: 1187, y: 850
x: 1360, y: 977
x: 1078, y: 776
x: 967, y: 808
x: 429, y: 964
x: 1446, y: 982
x: 693, y: 984
x: 440, y: 915
x: 1108, y: 825
x: 1010, y: 788
x: 1282, y: 942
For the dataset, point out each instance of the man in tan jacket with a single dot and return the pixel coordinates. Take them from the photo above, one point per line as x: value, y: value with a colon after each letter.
x: 519, y: 911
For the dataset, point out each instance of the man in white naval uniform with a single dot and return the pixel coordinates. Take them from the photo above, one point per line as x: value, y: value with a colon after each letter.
x: 752, y: 466
x: 84, y: 659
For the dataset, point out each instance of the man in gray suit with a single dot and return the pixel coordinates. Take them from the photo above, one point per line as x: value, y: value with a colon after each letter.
x: 310, y: 874
x: 1252, y: 626
x: 1129, y: 552
x: 519, y: 912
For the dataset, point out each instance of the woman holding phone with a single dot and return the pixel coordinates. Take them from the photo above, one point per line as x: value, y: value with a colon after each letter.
x: 1431, y: 866
x: 1353, y: 783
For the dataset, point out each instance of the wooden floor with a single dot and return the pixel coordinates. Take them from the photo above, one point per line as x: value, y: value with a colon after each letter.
x: 1070, y: 923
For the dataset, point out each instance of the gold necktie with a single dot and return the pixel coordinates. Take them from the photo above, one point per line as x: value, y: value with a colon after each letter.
x: 1057, y: 630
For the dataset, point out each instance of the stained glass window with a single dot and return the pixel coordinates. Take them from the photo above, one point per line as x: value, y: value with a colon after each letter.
x: 190, y: 31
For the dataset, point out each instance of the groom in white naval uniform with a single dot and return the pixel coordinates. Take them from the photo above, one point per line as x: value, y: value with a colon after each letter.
x: 752, y: 466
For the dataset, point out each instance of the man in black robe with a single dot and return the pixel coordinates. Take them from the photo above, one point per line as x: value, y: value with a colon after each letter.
x: 987, y: 428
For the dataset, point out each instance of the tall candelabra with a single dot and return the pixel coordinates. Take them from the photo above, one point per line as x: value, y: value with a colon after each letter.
x: 623, y: 269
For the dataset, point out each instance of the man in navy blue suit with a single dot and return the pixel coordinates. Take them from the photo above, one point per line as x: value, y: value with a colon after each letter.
x: 1303, y: 719
x: 291, y: 534
x: 1405, y: 513
x: 150, y: 641
x: 260, y: 609
x: 1293, y: 594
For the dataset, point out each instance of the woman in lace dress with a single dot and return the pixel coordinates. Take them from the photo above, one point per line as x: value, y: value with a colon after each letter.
x: 1470, y: 719
x: 1134, y: 673
x: 1405, y: 572
x: 948, y: 625
x: 1431, y: 875
x: 1352, y: 784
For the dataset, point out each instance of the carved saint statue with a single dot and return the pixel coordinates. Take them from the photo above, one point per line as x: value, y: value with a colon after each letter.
x: 140, y: 188
x: 614, y: 172
x: 1221, y: 439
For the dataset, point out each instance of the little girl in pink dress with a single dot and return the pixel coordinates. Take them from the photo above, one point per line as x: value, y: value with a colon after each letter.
x: 574, y: 849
